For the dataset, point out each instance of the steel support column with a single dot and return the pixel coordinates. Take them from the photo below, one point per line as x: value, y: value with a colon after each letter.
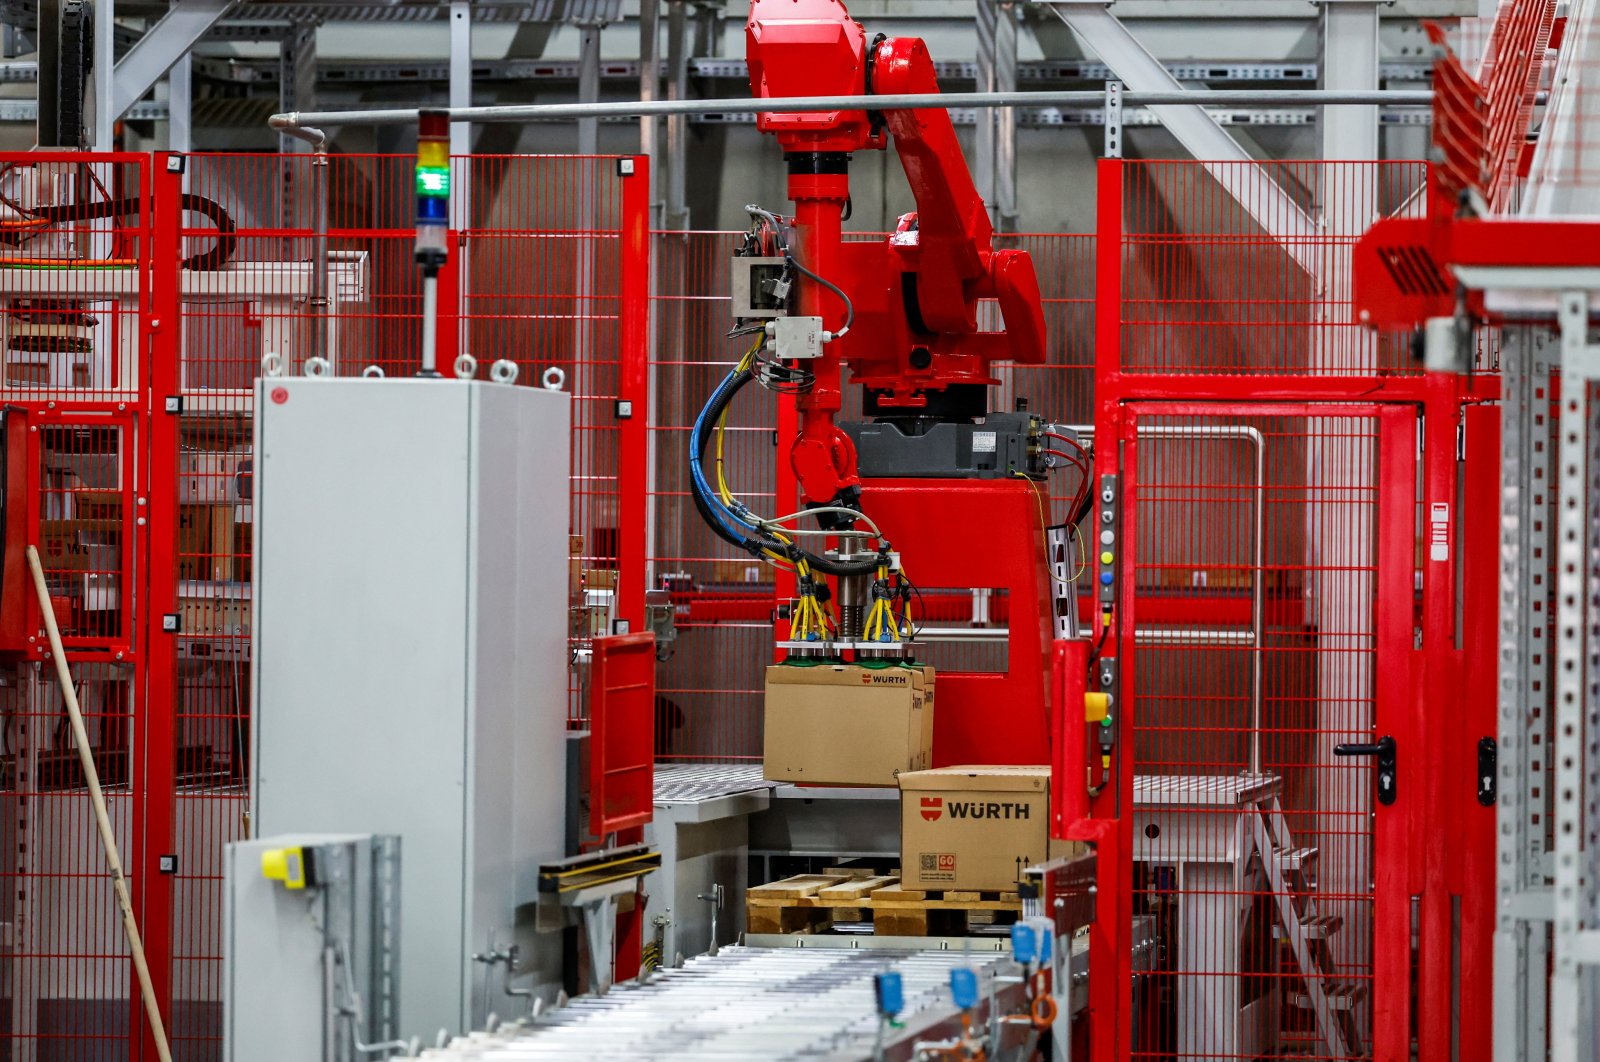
x: 297, y: 77
x: 1521, y: 942
x: 1349, y: 32
x: 677, y: 183
x: 649, y: 89
x: 180, y: 100
x: 1005, y: 119
x: 460, y: 74
x: 996, y: 155
x: 983, y: 139
x: 1272, y: 208
x: 588, y: 85
x: 153, y: 54
x: 297, y: 85
x: 1577, y: 728
x: 105, y: 58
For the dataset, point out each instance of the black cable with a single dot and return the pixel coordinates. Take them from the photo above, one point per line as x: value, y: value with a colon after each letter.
x: 849, y: 307
x: 215, y: 258
x: 758, y: 540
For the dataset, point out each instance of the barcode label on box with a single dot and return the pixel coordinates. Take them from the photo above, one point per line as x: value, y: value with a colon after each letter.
x: 937, y: 866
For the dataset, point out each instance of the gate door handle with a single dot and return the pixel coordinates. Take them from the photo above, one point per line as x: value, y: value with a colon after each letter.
x: 1383, y: 749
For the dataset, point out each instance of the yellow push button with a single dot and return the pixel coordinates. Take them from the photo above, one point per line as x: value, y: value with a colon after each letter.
x: 287, y: 865
x: 1105, y: 558
x: 1095, y: 706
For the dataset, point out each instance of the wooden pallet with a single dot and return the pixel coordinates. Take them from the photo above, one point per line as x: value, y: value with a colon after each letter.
x: 813, y: 903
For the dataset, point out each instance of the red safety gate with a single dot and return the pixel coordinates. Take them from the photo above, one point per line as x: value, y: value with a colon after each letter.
x: 1291, y: 495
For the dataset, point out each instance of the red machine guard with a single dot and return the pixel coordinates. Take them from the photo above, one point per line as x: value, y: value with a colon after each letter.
x: 979, y: 533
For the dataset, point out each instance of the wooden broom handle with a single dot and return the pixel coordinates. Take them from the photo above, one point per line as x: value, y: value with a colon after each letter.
x: 108, y: 840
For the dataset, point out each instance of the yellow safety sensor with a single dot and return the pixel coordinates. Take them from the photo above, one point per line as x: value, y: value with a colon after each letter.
x: 1095, y: 706
x: 287, y: 865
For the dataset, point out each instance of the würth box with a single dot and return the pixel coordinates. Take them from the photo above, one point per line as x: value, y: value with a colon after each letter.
x: 844, y: 724
x: 974, y: 828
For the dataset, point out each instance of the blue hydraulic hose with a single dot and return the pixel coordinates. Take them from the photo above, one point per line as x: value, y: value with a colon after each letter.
x: 697, y: 472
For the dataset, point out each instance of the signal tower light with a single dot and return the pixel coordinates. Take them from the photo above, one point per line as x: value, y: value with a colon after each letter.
x: 433, y: 189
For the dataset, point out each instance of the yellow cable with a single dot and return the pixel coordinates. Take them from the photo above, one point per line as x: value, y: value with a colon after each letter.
x: 1044, y: 521
x: 906, y: 611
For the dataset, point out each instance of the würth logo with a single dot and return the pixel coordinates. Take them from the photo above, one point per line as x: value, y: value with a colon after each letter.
x: 932, y: 808
x: 988, y: 810
x: 871, y: 679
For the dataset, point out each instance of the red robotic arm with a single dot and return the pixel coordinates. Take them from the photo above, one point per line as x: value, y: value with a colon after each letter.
x: 914, y: 343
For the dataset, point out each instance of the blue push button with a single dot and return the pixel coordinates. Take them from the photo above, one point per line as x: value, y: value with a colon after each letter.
x: 891, y: 993
x: 1106, y: 578
x: 964, y: 987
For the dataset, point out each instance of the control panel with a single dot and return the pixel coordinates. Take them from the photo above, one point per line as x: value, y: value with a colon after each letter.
x: 1107, y: 546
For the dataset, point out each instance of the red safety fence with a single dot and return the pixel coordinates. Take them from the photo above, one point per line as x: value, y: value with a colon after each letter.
x: 133, y: 336
x: 75, y: 258
x: 129, y: 385
x: 1280, y: 463
x: 1244, y: 268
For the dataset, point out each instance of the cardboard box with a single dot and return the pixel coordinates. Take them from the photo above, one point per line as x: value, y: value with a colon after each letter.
x: 974, y: 828
x: 210, y: 477
x: 746, y: 571
x: 96, y: 505
x: 842, y: 724
x: 64, y: 545
x: 214, y: 609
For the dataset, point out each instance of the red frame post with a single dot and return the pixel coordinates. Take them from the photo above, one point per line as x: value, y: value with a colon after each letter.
x: 1479, y: 542
x: 1394, y: 692
x: 1110, y: 1003
x: 633, y: 386
x: 163, y: 327
x: 447, y: 328
x: 1435, y: 824
x: 633, y: 472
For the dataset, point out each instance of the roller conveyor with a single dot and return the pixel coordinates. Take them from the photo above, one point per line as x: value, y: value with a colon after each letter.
x: 751, y: 1003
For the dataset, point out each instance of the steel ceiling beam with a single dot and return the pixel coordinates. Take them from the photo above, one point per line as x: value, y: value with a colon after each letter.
x: 171, y: 38
x: 1200, y: 134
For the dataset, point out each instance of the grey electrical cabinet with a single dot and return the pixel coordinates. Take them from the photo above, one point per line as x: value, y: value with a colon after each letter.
x: 409, y: 656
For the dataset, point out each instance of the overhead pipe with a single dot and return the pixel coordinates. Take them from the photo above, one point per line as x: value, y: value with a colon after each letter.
x: 319, y: 244
x: 292, y: 121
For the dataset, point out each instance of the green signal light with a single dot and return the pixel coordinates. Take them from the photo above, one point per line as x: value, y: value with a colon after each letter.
x: 433, y: 181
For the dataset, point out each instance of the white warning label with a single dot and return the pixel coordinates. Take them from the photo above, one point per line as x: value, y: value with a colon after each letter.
x: 1439, y: 531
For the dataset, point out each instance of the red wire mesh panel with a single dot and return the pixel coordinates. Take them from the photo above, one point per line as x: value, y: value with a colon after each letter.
x: 75, y: 246
x: 1256, y: 653
x: 1245, y: 267
x: 539, y: 284
x: 533, y: 279
x: 710, y: 694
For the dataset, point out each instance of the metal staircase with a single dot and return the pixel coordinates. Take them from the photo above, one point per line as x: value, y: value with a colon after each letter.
x: 1291, y: 874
